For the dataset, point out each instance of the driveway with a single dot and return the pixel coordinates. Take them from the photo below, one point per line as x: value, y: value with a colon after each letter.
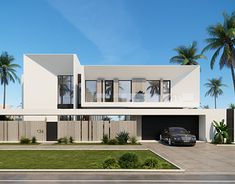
x: 203, y: 157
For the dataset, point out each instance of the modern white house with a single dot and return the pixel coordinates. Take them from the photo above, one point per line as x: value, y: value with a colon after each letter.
x: 61, y: 98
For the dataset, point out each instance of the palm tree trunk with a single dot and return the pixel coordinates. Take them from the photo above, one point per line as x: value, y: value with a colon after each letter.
x: 215, y: 102
x: 4, y: 95
x: 232, y: 64
x: 233, y: 76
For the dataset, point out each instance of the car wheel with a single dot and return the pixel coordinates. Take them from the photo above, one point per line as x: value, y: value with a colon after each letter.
x: 169, y: 142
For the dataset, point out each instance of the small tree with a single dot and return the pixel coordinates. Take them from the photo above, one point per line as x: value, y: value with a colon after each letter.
x: 231, y: 106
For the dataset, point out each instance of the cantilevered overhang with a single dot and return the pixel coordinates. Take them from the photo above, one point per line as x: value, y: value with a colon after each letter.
x: 55, y: 112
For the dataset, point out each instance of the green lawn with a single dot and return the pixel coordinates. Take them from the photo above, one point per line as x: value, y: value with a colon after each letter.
x: 67, y: 159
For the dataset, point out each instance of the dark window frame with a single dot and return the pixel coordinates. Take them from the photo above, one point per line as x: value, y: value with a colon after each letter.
x: 71, y: 100
x: 112, y: 93
x: 169, y: 88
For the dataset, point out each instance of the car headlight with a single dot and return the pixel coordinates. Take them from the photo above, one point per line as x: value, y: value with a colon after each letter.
x: 194, y: 138
x: 177, y: 138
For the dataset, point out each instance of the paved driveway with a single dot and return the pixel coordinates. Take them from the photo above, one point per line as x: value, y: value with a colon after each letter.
x: 203, y: 157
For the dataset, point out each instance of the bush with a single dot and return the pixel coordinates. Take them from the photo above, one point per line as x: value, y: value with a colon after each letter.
x: 110, y: 163
x: 63, y: 140
x: 133, y: 140
x: 129, y: 161
x: 122, y: 137
x: 34, y: 140
x: 113, y: 142
x: 24, y: 140
x: 71, y: 140
x: 150, y: 163
x: 105, y: 139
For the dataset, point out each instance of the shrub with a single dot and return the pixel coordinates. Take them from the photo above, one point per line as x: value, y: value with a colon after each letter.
x: 122, y: 137
x: 105, y: 139
x: 71, y: 140
x: 113, y: 142
x: 129, y: 161
x: 34, y: 140
x: 63, y: 140
x: 110, y: 163
x: 150, y: 163
x: 24, y: 140
x: 222, y: 132
x: 133, y: 140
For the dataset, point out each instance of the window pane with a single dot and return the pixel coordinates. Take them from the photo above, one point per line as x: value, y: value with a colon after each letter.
x: 108, y: 91
x: 65, y: 89
x: 152, y: 91
x: 91, y: 91
x: 166, y: 91
x: 124, y: 91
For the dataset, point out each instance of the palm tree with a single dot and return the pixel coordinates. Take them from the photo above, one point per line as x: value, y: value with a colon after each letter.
x: 7, y: 72
x: 222, y: 36
x: 154, y: 87
x: 214, y: 86
x: 231, y: 106
x: 187, y: 55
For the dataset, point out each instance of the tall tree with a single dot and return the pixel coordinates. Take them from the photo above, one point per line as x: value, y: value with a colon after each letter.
x: 7, y: 72
x: 214, y: 85
x: 187, y: 55
x: 222, y: 37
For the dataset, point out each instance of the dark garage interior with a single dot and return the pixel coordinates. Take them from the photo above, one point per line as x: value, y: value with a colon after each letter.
x: 152, y: 126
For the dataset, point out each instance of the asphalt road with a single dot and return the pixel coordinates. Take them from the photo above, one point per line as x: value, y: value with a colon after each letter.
x: 93, y: 177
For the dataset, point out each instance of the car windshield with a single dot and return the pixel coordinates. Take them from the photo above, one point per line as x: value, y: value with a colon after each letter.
x: 178, y: 131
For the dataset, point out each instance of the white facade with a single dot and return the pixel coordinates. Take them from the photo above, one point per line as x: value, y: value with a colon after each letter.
x: 41, y: 72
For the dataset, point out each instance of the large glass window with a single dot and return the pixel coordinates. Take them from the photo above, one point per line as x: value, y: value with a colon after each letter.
x: 124, y: 91
x: 166, y: 90
x: 65, y: 89
x: 91, y: 91
x: 152, y: 91
x: 109, y: 91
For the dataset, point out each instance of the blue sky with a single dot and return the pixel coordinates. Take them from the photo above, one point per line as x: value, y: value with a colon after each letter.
x: 112, y: 32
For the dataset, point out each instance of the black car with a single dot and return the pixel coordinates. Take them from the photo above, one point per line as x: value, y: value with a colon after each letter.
x: 178, y: 136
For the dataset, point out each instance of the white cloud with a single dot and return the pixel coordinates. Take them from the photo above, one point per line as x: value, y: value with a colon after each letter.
x: 107, y: 24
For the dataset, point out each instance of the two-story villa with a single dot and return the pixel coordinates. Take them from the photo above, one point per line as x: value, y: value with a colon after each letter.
x: 61, y: 98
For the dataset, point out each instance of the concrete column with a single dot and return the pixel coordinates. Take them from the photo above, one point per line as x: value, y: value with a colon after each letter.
x: 161, y: 90
x: 115, y: 90
x: 99, y: 90
x: 138, y: 84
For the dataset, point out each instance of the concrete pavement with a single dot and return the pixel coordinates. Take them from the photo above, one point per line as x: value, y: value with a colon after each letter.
x: 203, y: 157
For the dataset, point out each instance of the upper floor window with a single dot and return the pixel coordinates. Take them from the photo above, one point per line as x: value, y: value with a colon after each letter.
x: 109, y: 91
x: 166, y: 90
x: 91, y: 91
x: 124, y: 91
x: 152, y: 91
x: 65, y: 89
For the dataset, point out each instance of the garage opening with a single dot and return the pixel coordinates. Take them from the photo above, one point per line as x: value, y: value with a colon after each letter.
x: 152, y: 126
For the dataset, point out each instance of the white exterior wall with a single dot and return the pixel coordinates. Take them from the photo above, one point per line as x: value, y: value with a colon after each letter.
x: 185, y: 83
x: 40, y: 85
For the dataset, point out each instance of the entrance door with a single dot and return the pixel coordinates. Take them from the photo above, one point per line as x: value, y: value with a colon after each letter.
x: 51, y: 131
